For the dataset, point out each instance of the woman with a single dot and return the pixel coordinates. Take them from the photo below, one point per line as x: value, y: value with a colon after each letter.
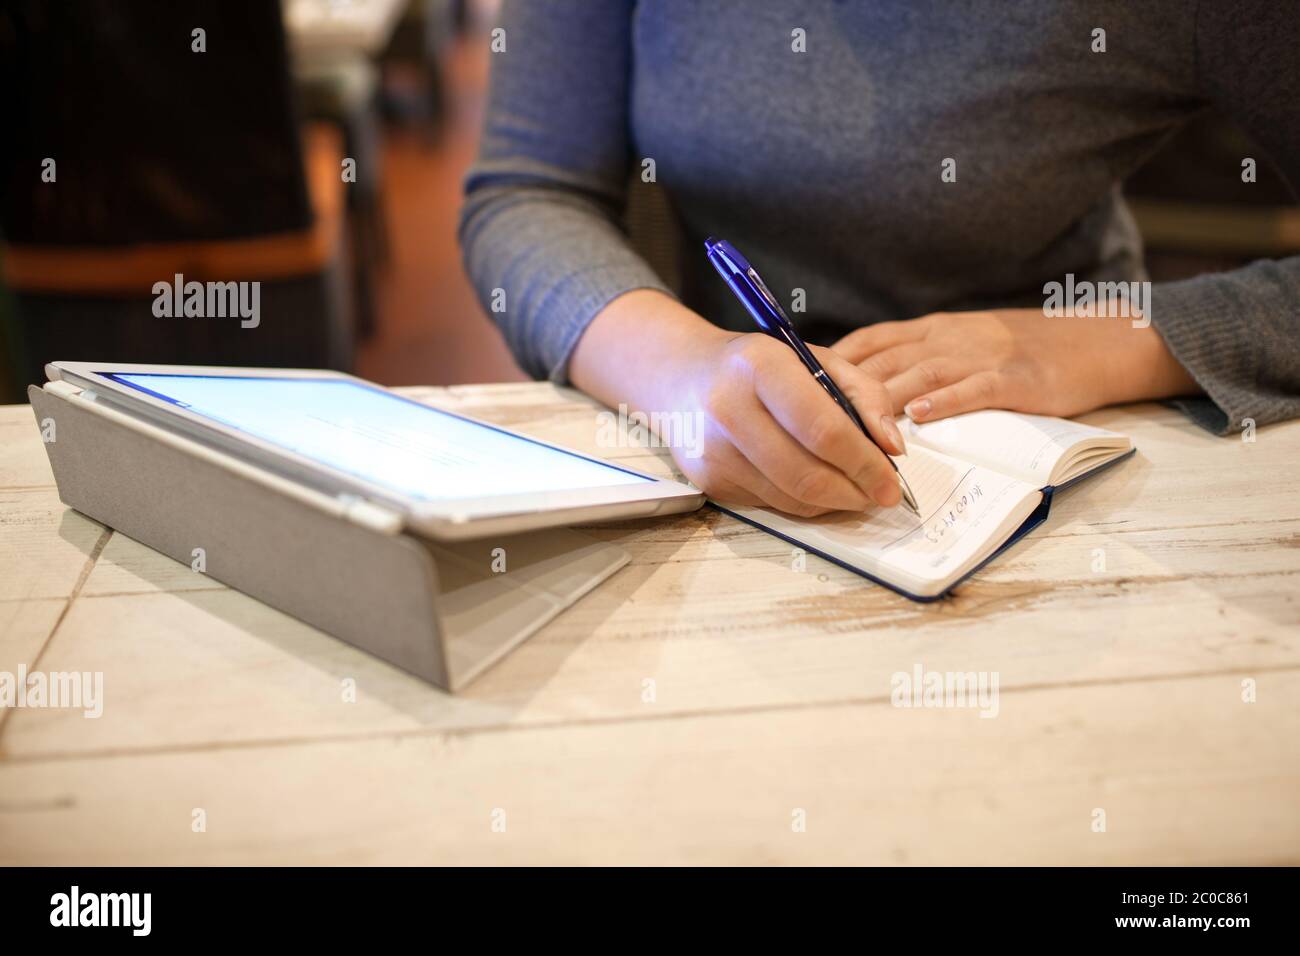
x: 876, y: 161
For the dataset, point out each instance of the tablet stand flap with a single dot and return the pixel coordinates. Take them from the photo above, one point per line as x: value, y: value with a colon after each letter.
x: 496, y: 592
x: 441, y: 612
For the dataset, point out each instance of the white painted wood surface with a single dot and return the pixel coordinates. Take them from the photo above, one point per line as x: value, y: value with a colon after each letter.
x: 702, y: 702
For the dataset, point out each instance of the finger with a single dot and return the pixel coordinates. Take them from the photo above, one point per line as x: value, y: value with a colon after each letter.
x: 871, y: 339
x: 894, y: 361
x: 870, y: 399
x: 981, y: 390
x: 788, y: 465
x: 750, y: 483
x: 729, y: 493
x: 731, y: 479
x: 874, y: 406
x: 822, y: 429
x: 927, y: 375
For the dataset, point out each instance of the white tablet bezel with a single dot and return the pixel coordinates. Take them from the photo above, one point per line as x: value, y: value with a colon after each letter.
x: 455, y: 519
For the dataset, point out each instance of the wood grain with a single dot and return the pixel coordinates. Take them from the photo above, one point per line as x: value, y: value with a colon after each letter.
x: 1183, y: 771
x: 684, y: 710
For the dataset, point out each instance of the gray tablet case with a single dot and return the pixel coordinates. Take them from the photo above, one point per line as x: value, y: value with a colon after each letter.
x: 443, y: 612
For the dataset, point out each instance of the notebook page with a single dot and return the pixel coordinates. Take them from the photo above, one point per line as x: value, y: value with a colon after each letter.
x: 1028, y: 446
x: 963, y: 505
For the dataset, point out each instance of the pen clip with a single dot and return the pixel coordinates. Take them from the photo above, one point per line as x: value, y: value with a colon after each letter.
x: 763, y: 290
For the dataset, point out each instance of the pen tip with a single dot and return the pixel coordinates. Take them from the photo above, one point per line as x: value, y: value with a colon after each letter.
x: 911, y: 504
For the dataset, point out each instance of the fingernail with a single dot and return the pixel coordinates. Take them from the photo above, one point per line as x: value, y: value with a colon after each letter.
x: 918, y: 409
x: 895, y: 436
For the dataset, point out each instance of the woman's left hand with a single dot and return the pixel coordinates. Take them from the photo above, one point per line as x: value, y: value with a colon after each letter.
x: 1018, y: 359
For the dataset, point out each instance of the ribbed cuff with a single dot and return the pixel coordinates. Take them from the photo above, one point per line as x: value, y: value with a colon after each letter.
x: 1203, y: 328
x: 572, y: 304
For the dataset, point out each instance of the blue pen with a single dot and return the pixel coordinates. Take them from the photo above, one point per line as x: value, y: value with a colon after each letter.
x: 754, y: 295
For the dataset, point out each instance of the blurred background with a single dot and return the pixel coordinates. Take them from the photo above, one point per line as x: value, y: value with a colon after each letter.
x: 227, y: 165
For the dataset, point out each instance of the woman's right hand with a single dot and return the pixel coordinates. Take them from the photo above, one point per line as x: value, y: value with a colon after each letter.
x: 767, y: 433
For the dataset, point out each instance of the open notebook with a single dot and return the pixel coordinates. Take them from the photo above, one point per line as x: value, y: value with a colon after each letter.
x: 981, y: 480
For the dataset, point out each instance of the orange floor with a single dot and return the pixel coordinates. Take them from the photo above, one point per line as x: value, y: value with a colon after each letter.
x: 431, y: 328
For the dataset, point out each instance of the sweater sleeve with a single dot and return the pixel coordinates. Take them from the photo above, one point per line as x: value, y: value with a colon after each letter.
x: 1238, y: 332
x: 540, y: 227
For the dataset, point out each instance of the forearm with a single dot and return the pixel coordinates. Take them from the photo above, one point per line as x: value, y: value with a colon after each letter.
x: 540, y: 226
x: 1141, y: 368
x: 545, y: 262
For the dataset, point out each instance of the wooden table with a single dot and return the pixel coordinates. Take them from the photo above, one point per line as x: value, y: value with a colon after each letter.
x: 708, y: 704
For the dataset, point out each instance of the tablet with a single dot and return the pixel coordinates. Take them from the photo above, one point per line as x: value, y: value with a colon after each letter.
x: 448, y: 476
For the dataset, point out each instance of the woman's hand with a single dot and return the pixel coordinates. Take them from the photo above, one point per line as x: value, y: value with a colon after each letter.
x: 770, y: 435
x: 1018, y: 359
x: 773, y: 436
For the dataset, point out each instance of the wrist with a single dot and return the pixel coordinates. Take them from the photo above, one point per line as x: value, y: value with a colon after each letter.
x: 1154, y: 373
x: 637, y: 348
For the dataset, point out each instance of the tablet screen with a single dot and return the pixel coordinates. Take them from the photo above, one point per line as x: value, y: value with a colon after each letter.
x: 390, y: 441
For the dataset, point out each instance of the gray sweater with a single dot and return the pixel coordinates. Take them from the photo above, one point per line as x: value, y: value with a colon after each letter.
x: 825, y: 165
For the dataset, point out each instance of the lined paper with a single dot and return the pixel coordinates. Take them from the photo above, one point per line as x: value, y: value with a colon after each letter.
x: 963, y: 507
